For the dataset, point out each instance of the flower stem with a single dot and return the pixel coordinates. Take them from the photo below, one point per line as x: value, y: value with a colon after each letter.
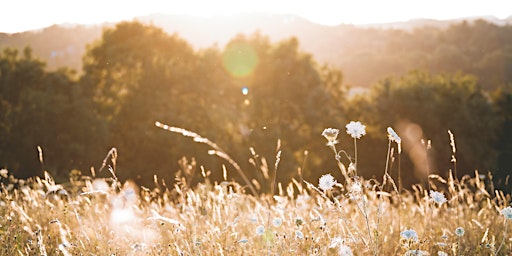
x: 340, y: 164
x: 503, y: 239
x: 355, y: 157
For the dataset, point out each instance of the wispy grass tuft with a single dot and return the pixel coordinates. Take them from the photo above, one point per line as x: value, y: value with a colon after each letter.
x: 357, y: 216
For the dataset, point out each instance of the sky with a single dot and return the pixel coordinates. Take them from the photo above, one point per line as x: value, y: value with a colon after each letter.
x: 22, y: 15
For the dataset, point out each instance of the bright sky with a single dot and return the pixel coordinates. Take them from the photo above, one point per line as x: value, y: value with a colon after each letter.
x: 22, y: 15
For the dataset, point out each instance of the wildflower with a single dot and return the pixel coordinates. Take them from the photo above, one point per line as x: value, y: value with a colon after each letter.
x: 395, y: 138
x: 243, y: 241
x: 356, y: 187
x: 335, y: 242
x: 299, y: 234
x: 459, y: 231
x: 356, y: 129
x: 507, y: 212
x: 331, y: 134
x: 326, y: 182
x: 409, y: 234
x: 277, y: 222
x: 260, y: 230
x: 345, y: 251
x: 416, y: 253
x: 139, y: 247
x: 437, y: 197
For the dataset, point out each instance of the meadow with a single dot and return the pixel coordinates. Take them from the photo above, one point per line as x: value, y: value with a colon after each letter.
x: 353, y: 216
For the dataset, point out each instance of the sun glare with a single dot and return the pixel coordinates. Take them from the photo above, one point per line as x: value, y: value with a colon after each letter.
x: 15, y: 17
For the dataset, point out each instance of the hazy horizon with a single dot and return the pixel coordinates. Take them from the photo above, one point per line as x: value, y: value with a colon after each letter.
x: 16, y: 17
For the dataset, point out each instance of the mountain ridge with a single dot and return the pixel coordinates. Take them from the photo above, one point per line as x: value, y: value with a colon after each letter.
x: 65, y: 44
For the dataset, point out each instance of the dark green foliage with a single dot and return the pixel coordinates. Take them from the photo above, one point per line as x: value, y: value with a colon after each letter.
x: 138, y: 74
x: 45, y: 109
x: 503, y: 103
x: 421, y: 106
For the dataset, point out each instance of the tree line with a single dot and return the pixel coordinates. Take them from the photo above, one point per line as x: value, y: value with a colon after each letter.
x: 365, y: 55
x: 479, y: 47
x: 253, y: 98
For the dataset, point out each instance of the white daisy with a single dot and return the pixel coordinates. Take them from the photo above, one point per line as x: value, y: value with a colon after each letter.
x: 416, y: 253
x: 260, y: 230
x: 437, y: 197
x: 345, y: 250
x: 507, y: 212
x: 459, y: 231
x: 356, y: 129
x: 326, y: 182
x: 277, y: 222
x: 409, y: 234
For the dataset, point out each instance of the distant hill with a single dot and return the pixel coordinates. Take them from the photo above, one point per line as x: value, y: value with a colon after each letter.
x: 59, y: 45
x: 416, y: 23
x: 364, y: 53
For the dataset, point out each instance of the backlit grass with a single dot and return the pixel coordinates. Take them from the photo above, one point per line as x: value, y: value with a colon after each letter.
x: 356, y: 216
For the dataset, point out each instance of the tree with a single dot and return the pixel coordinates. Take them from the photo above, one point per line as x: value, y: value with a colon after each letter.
x: 45, y: 109
x: 503, y: 102
x: 289, y: 99
x: 140, y: 75
x: 424, y: 106
x: 251, y: 94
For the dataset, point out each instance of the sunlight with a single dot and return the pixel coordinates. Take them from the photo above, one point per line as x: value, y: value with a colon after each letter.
x: 122, y: 216
x: 326, y: 12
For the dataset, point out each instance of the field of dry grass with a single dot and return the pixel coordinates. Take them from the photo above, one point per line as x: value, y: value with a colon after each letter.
x: 356, y: 216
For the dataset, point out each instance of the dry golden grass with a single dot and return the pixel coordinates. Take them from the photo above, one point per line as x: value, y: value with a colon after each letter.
x: 100, y: 217
x: 93, y: 216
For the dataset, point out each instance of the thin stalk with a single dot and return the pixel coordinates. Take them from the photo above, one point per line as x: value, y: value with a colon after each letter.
x: 503, y: 239
x: 399, y: 196
x: 216, y: 150
x: 387, y: 158
x: 428, y: 210
x: 340, y: 164
x: 272, y: 191
x: 355, y: 157
x: 364, y: 212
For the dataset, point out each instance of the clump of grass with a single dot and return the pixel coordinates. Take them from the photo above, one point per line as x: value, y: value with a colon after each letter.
x: 357, y: 216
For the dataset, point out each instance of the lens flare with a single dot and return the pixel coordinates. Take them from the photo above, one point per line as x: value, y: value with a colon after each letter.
x: 240, y: 59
